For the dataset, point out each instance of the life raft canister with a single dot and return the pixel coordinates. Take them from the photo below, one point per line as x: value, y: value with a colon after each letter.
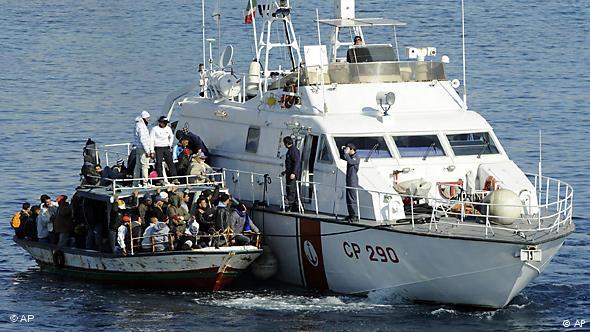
x: 489, y: 184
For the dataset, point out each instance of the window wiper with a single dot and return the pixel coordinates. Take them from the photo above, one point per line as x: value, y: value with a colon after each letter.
x: 371, y: 152
x: 485, y: 146
x: 430, y: 147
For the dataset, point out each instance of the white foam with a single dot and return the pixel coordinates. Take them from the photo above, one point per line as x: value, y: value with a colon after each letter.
x: 443, y: 311
x: 291, y: 303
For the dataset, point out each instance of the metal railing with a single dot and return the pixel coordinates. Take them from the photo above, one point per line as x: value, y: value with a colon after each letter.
x: 227, y: 236
x: 551, y: 210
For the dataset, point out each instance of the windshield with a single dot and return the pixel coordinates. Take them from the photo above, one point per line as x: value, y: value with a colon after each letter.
x: 418, y: 146
x: 371, y: 53
x: 472, y: 144
x: 375, y: 147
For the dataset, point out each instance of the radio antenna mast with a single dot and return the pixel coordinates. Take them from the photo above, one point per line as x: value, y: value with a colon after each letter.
x: 464, y: 64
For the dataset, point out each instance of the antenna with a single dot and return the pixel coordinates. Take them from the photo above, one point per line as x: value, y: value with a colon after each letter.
x: 203, y: 31
x: 464, y: 64
x: 255, y: 36
x: 317, y: 15
x: 217, y: 17
x: 540, y: 155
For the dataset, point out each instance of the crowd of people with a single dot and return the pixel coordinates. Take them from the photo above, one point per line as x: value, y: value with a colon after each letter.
x: 157, y: 221
x: 188, y: 157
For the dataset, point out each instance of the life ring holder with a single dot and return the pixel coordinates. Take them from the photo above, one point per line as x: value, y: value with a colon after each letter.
x: 289, y: 96
x: 490, y: 183
x: 59, y: 259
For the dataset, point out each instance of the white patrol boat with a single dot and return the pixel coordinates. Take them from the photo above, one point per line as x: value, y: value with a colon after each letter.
x: 445, y: 215
x: 207, y: 269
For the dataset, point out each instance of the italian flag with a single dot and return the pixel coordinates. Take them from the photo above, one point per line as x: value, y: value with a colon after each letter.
x: 250, y: 11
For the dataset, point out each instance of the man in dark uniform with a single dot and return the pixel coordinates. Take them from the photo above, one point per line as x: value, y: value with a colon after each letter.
x: 292, y: 173
x: 352, y: 180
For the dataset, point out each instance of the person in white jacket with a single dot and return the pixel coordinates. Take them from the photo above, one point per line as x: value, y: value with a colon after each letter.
x: 163, y: 139
x: 144, y: 147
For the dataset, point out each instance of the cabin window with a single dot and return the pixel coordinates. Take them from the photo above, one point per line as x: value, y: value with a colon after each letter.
x: 472, y: 144
x: 422, y: 146
x: 252, y: 139
x: 325, y: 155
x: 374, y: 147
x: 371, y: 53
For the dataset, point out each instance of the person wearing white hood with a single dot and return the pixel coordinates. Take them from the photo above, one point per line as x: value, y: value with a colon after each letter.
x: 144, y: 148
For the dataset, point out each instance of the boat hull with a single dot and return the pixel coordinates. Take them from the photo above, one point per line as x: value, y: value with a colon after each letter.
x: 204, y: 269
x: 356, y: 259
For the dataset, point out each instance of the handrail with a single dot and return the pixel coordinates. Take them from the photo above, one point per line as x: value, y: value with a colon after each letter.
x: 551, y: 214
x: 218, y: 180
x: 554, y: 211
x: 169, y: 237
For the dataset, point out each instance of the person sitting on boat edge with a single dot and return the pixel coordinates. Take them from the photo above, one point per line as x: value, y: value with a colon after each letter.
x: 155, y: 237
x: 222, y: 218
x: 292, y: 173
x: 144, y: 148
x: 64, y: 222
x: 163, y: 139
x: 240, y: 223
x: 205, y: 216
x: 190, y: 238
x: 20, y: 220
x: 199, y: 169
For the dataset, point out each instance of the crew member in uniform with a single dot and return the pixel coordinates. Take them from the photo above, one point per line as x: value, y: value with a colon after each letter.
x: 292, y: 173
x: 352, y: 180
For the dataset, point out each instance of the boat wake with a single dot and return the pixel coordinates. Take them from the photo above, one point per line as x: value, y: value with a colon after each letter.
x: 292, y: 303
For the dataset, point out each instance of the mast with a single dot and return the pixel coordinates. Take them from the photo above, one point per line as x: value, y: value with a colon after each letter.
x: 464, y: 63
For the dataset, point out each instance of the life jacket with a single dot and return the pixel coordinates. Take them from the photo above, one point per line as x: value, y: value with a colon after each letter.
x: 15, y: 222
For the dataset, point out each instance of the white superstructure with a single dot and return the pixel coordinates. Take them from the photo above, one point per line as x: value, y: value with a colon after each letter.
x: 445, y: 215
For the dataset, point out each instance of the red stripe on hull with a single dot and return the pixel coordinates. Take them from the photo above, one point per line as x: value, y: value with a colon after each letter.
x: 312, y: 258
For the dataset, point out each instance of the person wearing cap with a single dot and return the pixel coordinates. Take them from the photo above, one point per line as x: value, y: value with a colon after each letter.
x: 123, y: 238
x: 352, y: 181
x: 144, y: 148
x: 199, y: 169
x: 163, y: 138
x: 159, y: 208
x: 292, y: 173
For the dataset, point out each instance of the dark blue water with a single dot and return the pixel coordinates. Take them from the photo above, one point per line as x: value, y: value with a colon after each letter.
x: 83, y: 68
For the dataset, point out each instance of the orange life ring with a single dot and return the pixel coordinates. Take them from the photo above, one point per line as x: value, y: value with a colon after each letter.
x: 489, y: 184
